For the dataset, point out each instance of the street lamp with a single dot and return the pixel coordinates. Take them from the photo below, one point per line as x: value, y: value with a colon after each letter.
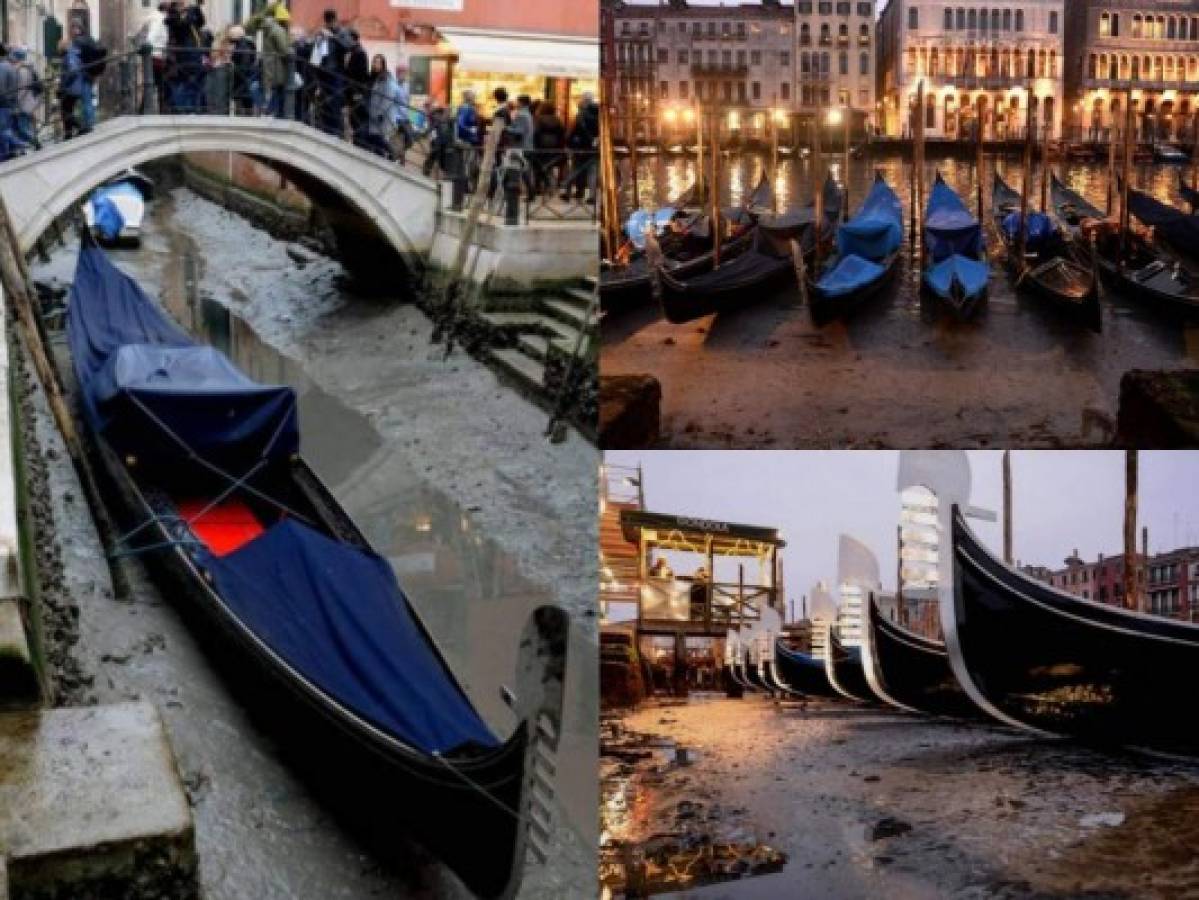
x: 837, y: 116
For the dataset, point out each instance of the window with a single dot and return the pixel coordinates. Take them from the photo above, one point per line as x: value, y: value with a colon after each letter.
x: 683, y: 60
x: 805, y: 7
x: 785, y: 90
x: 711, y: 57
x: 755, y: 57
x: 756, y: 90
x: 843, y: 33
x: 960, y: 20
x: 626, y: 28
x: 740, y: 59
x: 864, y: 64
x: 948, y: 19
x: 913, y: 19
x: 785, y: 58
x: 741, y: 91
x: 825, y: 37
x: 683, y: 87
x: 982, y: 20
x: 1053, y: 22
x: 663, y: 55
x: 726, y: 29
x: 864, y: 34
x: 712, y: 29
x: 825, y: 8
x: 740, y: 29
x: 824, y: 60
x: 1105, y: 24
x: 1115, y: 24
x: 804, y: 65
x: 663, y: 91
x: 661, y: 25
x: 865, y: 10
x: 994, y: 20
x: 843, y: 9
x: 843, y: 63
x: 682, y: 27
x: 643, y: 29
x: 696, y: 29
x: 726, y: 58
x: 728, y: 90
x: 1019, y: 20
x: 1007, y: 20
x: 1136, y: 26
x: 972, y: 20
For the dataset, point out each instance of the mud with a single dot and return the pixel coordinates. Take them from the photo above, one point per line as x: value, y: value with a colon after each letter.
x: 902, y: 372
x: 866, y: 803
x: 447, y: 473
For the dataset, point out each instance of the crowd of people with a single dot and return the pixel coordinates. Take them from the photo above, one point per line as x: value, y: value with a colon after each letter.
x: 256, y: 66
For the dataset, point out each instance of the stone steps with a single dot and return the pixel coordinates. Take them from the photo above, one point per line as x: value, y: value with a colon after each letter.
x: 526, y: 372
x: 92, y: 804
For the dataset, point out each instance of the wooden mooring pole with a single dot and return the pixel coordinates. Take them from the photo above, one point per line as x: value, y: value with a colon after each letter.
x: 1131, y: 582
x: 1007, y: 506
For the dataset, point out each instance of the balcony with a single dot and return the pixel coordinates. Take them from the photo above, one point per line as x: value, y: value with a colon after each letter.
x: 718, y: 70
x: 981, y: 82
x: 1142, y: 84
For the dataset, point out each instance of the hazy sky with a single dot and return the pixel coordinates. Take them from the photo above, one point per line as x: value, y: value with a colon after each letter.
x: 1060, y: 500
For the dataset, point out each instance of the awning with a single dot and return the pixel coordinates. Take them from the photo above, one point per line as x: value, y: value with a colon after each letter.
x: 521, y: 53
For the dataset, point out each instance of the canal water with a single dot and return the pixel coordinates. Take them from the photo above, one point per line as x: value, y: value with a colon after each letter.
x: 471, y: 592
x: 902, y: 372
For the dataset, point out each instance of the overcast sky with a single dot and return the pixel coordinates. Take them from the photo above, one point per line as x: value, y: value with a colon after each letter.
x: 1061, y: 500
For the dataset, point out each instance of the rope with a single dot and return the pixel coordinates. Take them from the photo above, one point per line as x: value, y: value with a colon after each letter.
x: 466, y: 779
x: 162, y: 545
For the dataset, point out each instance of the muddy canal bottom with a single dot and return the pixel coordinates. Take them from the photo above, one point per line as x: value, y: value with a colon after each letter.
x: 714, y: 797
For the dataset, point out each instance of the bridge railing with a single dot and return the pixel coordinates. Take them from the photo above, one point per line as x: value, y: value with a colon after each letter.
x: 545, y: 183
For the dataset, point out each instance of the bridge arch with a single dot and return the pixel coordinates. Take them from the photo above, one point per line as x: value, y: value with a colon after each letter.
x: 398, y: 204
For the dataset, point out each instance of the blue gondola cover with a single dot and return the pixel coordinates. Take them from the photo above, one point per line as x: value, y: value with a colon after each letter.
x: 851, y: 273
x: 949, y: 227
x: 145, y: 382
x: 876, y: 230
x: 640, y: 220
x: 1040, y: 228
x: 106, y: 218
x: 336, y: 614
x: 971, y: 274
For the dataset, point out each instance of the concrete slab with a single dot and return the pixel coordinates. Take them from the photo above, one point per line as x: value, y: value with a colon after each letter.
x: 91, y: 804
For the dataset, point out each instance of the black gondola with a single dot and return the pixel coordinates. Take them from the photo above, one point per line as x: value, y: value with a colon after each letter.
x: 867, y: 257
x: 843, y: 666
x: 911, y: 671
x: 802, y: 671
x: 1189, y: 195
x: 764, y: 266
x: 1049, y: 269
x: 1176, y: 229
x: 776, y: 681
x: 1037, y: 657
x: 320, y: 639
x: 1137, y: 269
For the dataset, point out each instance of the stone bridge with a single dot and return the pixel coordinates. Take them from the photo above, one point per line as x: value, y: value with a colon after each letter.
x: 366, y: 199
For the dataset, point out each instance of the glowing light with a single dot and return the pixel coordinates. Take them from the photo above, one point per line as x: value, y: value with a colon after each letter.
x: 734, y: 119
x: 688, y: 115
x: 834, y: 117
x: 670, y: 116
x: 780, y: 116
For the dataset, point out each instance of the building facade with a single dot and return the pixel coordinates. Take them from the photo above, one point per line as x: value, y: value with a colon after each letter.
x: 973, y: 59
x: 1169, y: 581
x: 763, y: 65
x: 1146, y: 52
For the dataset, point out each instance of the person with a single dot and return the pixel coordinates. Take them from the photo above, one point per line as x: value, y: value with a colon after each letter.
x: 522, y: 129
x: 466, y: 123
x: 402, y: 117
x: 29, y: 98
x: 186, y: 64
x: 329, y: 57
x: 502, y: 114
x: 661, y: 569
x: 305, y: 79
x: 70, y: 87
x: 244, y: 56
x: 10, y: 145
x: 380, y: 109
x: 549, y: 140
x: 358, y: 83
x: 157, y: 37
x: 441, y: 139
x: 584, y: 135
x: 91, y: 59
x: 273, y: 21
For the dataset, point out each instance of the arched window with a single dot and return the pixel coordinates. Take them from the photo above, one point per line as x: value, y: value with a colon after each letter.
x: 1136, y: 25
x: 972, y: 19
x: 1171, y: 28
x: 1030, y: 70
x: 825, y: 34
x: 843, y: 33
x: 864, y: 64
x: 1115, y: 24
x: 864, y: 34
x: 843, y: 62
x: 930, y: 111
x: 1007, y: 20
x: 1105, y: 24
x: 1136, y: 68
x: 994, y: 20
x: 805, y: 63
x: 911, y: 61
x: 1051, y: 72
x: 948, y: 19
x: 913, y: 18
x: 961, y: 19
x: 1019, y: 20
x: 982, y: 19
x: 933, y: 62
x: 805, y: 33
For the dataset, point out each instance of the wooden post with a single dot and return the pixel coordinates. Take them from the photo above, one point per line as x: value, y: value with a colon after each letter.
x: 1124, y: 215
x: 715, y: 204
x: 918, y: 211
x: 1022, y: 241
x: 774, y: 159
x: 817, y: 195
x: 1045, y: 168
x: 978, y: 158
x: 899, y: 606
x: 845, y: 170
x: 1111, y: 167
x: 912, y: 178
x: 18, y: 286
x: 1131, y: 586
x: 699, y: 151
x: 631, y: 128
x: 609, y: 208
x: 1007, y: 506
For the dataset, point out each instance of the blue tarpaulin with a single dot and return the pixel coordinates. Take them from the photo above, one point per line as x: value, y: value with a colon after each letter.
x: 949, y: 227
x: 876, y: 230
x: 971, y: 274
x: 336, y: 614
x: 143, y: 379
x: 640, y: 221
x: 1040, y: 229
x: 106, y: 218
x: 850, y: 273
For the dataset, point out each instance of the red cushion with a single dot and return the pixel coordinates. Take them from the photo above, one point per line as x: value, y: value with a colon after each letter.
x: 224, y: 528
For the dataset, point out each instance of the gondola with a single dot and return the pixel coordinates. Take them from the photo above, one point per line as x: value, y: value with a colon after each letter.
x: 115, y: 210
x: 843, y: 666
x: 867, y: 256
x: 1050, y: 269
x: 686, y: 250
x: 956, y: 267
x: 204, y: 466
x: 1138, y: 269
x: 802, y: 671
x: 1049, y: 661
x: 784, y: 690
x: 753, y: 273
x: 1177, y: 230
x: 910, y: 671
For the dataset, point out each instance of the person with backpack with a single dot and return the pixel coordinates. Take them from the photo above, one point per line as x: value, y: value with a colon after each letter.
x: 185, y: 27
x: 274, y: 22
x: 93, y: 58
x: 70, y: 87
x: 329, y: 54
x: 549, y: 139
x: 441, y: 139
x: 29, y: 98
x: 9, y: 144
x: 583, y: 140
x: 243, y: 55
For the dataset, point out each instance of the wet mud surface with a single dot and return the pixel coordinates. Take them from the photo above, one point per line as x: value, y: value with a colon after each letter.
x: 867, y: 803
x: 902, y: 372
x: 429, y: 457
